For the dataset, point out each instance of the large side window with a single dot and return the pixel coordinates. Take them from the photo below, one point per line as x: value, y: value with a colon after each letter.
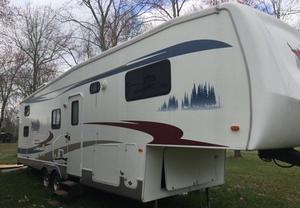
x: 75, y: 113
x: 27, y: 110
x: 56, y: 119
x: 26, y: 131
x: 148, y: 81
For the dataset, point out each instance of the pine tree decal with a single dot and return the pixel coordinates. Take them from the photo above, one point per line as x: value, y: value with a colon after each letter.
x: 213, y: 96
x: 194, y: 97
x: 186, y: 103
x: 203, y: 96
x: 163, y: 107
x: 172, y: 104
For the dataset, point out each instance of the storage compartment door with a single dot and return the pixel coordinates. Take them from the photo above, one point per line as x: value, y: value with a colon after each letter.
x: 106, y: 168
x: 188, y: 167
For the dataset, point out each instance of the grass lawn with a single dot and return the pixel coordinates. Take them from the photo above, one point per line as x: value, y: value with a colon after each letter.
x: 8, y: 153
x: 249, y: 183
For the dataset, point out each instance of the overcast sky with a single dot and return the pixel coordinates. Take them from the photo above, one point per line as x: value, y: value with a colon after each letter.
x: 53, y: 3
x: 292, y: 20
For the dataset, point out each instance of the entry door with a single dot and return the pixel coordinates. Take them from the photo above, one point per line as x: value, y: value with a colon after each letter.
x: 73, y: 135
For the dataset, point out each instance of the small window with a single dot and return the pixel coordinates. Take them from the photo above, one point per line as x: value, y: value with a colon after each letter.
x: 26, y: 131
x: 27, y: 110
x: 56, y: 119
x: 94, y: 87
x: 75, y: 113
x: 148, y: 81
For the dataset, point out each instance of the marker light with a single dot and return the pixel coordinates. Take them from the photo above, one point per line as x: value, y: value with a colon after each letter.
x: 235, y: 128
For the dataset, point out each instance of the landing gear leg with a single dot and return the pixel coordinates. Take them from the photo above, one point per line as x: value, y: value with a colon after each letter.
x: 208, y: 199
x: 155, y: 204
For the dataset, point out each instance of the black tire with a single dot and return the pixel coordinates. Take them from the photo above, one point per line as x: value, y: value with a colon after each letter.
x: 55, y: 182
x: 45, y: 178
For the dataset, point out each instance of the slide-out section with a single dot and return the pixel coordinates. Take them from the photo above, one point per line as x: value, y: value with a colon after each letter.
x: 171, y: 170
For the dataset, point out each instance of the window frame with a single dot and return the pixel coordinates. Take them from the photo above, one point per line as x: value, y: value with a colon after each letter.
x: 97, y: 89
x: 26, y: 112
x: 55, y: 125
x: 26, y: 135
x: 153, y: 68
x: 72, y: 115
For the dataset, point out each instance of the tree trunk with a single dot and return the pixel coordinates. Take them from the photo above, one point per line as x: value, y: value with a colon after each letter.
x: 237, y: 154
x: 173, y: 8
x: 2, y: 114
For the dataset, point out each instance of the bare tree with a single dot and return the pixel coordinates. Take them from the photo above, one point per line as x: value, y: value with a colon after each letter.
x: 109, y: 22
x: 10, y: 64
x: 38, y: 34
x: 6, y: 11
x: 214, y: 2
x: 167, y: 9
x: 10, y: 121
x: 87, y: 49
x: 281, y: 9
x: 80, y: 49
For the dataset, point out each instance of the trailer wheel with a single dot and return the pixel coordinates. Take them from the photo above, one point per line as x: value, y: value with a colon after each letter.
x: 56, y: 179
x: 45, y: 178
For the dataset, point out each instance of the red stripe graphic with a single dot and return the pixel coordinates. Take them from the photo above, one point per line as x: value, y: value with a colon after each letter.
x: 296, y: 51
x: 164, y: 134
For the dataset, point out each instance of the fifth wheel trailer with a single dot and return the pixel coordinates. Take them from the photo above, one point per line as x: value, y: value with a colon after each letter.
x: 154, y: 116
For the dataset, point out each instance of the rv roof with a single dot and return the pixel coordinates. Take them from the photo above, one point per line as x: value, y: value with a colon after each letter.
x: 205, y: 12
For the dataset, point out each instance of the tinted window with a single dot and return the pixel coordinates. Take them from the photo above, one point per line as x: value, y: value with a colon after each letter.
x: 56, y: 119
x: 95, y: 87
x: 75, y: 113
x: 148, y: 81
x: 26, y: 131
x: 27, y: 110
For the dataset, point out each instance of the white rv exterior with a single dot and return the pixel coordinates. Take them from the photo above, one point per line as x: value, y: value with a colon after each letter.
x: 153, y: 117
